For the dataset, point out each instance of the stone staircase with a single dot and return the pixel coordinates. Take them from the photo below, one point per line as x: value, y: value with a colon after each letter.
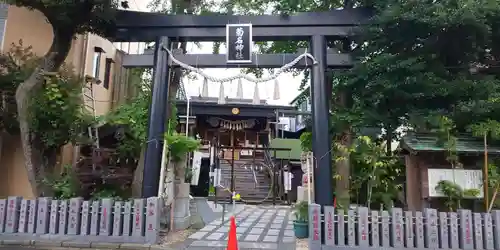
x: 245, y: 185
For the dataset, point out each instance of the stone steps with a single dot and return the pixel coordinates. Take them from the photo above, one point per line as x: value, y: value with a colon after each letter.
x: 245, y: 183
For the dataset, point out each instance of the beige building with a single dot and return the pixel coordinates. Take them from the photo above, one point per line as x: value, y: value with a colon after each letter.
x: 90, y: 55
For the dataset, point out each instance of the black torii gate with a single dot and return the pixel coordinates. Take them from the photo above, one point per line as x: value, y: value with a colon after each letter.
x: 316, y: 27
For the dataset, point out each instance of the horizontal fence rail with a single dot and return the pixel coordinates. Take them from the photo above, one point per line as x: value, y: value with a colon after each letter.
x: 104, y: 220
x: 430, y: 229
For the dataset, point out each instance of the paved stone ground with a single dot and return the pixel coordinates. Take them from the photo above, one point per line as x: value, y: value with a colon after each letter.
x: 258, y: 227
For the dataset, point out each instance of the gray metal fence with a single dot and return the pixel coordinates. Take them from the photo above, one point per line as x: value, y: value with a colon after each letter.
x: 362, y: 228
x: 76, y: 220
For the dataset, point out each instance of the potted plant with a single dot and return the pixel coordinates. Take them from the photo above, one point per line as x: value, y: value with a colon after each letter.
x: 301, y: 222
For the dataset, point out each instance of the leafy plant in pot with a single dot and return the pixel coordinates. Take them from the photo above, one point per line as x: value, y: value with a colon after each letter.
x: 301, y: 222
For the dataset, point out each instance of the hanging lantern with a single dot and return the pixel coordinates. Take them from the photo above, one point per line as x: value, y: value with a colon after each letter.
x: 239, y: 90
x: 222, y: 98
x: 276, y: 90
x: 256, y: 96
x: 204, y: 91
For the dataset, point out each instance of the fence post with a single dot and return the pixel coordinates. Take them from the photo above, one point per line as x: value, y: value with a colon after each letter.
x: 117, y: 218
x: 496, y: 228
x: 454, y: 230
x: 127, y: 218
x: 74, y: 219
x: 351, y: 234
x: 54, y: 215
x: 85, y: 226
x: 94, y: 218
x: 488, y: 232
x: 105, y: 218
x: 341, y: 227
x: 363, y: 229
x: 386, y: 235
x: 444, y: 230
x: 153, y: 220
x: 43, y: 215
x: 3, y: 213
x: 478, y: 231
x: 314, y: 227
x: 375, y: 235
x: 465, y: 238
x: 63, y: 217
x: 329, y: 226
x: 12, y: 214
x: 138, y: 229
x: 431, y: 229
x: 409, y: 239
x: 32, y: 212
x: 419, y: 230
x: 397, y: 227
x: 23, y: 216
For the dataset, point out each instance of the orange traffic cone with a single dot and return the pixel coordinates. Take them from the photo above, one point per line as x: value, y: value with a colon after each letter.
x: 232, y: 241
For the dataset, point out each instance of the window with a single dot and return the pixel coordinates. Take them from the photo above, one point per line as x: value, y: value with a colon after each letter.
x: 97, y: 62
x: 107, y: 73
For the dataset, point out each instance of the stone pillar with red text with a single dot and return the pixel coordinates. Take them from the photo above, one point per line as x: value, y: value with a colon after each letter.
x: 314, y: 227
x: 363, y: 228
x: 465, y: 238
x: 106, y: 216
x: 329, y: 226
x: 138, y: 214
x: 153, y: 207
x: 397, y: 233
x: 12, y: 218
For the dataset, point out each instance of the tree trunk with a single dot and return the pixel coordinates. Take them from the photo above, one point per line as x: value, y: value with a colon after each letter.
x: 2, y: 136
x: 175, y: 82
x: 342, y: 185
x: 52, y: 61
x: 388, y: 139
x: 138, y: 176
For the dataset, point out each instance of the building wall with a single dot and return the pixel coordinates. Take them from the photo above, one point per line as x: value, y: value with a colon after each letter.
x: 32, y: 29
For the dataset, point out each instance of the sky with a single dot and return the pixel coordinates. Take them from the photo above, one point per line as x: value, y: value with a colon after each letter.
x: 288, y: 85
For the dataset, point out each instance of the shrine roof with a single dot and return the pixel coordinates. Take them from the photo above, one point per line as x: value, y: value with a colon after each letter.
x: 213, y: 101
x: 428, y: 142
x: 243, y: 107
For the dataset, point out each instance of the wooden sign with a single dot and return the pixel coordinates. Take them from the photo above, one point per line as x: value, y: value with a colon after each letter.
x: 239, y: 43
x: 195, y: 169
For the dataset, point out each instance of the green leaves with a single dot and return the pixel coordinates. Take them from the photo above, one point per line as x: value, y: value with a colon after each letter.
x: 133, y: 115
x: 57, y: 112
x: 17, y: 63
x: 373, y: 171
x: 486, y: 128
x: 306, y: 141
x: 179, y: 145
x: 454, y: 193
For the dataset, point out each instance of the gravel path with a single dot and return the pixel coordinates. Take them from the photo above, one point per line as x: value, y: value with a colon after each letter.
x: 301, y: 244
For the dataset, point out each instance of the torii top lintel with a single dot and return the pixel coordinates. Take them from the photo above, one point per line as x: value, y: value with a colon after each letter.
x: 132, y: 26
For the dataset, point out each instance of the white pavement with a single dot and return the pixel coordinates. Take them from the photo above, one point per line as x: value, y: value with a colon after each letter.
x: 258, y: 227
